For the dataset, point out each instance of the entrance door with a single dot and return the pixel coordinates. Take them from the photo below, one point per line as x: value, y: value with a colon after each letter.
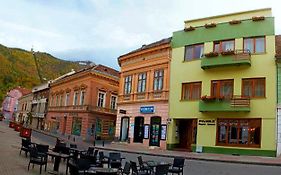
x: 187, y: 130
x: 124, y: 132
x: 155, y: 131
x: 138, y: 129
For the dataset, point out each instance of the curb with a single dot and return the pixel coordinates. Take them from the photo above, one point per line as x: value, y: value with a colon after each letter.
x: 191, y: 158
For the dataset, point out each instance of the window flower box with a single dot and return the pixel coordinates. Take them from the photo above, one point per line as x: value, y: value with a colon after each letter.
x: 25, y: 132
x: 233, y: 22
x: 210, y: 25
x: 188, y: 29
x: 208, y: 98
x: 228, y: 52
x: 211, y: 54
x: 258, y: 18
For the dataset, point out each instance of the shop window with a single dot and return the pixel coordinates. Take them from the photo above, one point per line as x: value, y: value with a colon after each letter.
x: 191, y: 91
x: 239, y: 132
x: 193, y: 52
x: 222, y: 88
x: 253, y: 87
x: 255, y: 44
x: 76, y: 126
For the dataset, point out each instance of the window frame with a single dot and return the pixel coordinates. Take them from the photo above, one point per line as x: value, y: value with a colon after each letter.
x: 104, y: 99
x: 128, y: 84
x: 141, y: 86
x: 254, y: 44
x: 67, y: 97
x: 115, y: 103
x: 250, y: 121
x: 80, y: 101
x: 76, y: 93
x: 156, y: 80
x: 218, y: 90
x: 191, y: 84
x: 193, y: 52
x: 220, y: 42
x: 253, y: 80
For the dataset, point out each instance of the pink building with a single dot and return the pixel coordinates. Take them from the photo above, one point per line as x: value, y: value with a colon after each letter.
x: 9, y: 105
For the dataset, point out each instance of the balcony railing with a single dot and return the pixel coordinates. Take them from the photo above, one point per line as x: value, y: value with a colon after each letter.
x: 234, y: 104
x: 231, y: 58
x: 82, y: 108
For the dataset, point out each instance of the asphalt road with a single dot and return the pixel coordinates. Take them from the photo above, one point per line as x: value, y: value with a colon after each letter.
x: 194, y: 167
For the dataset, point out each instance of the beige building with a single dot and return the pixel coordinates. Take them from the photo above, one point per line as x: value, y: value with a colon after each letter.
x: 24, y: 107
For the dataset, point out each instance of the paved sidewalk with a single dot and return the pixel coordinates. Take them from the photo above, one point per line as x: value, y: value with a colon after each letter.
x: 140, y: 149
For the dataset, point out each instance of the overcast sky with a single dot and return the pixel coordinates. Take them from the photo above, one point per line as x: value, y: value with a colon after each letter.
x: 101, y: 30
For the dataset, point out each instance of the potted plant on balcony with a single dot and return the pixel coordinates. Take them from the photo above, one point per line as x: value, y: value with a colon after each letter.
x: 258, y: 18
x: 206, y: 98
x: 210, y: 25
x: 188, y: 29
x: 211, y: 54
x: 233, y: 22
x: 228, y: 52
x: 221, y: 98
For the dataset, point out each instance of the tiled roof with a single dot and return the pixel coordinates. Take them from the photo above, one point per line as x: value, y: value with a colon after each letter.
x: 278, y: 46
x: 144, y: 47
x: 24, y: 91
x: 106, y: 70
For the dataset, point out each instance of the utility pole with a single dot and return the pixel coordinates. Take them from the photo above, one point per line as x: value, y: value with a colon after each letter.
x: 36, y: 64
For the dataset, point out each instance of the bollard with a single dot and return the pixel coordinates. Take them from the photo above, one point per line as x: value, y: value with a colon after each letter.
x: 103, y: 143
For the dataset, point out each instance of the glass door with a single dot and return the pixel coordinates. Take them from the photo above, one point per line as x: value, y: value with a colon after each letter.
x: 155, y: 131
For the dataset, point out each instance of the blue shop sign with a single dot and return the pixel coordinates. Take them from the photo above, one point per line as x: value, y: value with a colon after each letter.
x: 147, y: 109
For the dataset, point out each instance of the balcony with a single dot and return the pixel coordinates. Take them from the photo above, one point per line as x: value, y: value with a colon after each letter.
x: 235, y: 104
x: 233, y: 58
x: 82, y: 108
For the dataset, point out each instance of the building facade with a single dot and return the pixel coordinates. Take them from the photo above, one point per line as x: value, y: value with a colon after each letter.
x: 143, y: 95
x: 10, y: 103
x: 82, y: 105
x: 40, y: 105
x: 223, y: 78
x: 278, y: 65
x: 23, y: 108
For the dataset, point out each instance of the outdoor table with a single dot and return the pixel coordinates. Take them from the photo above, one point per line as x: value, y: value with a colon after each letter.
x: 94, y: 170
x: 58, y: 157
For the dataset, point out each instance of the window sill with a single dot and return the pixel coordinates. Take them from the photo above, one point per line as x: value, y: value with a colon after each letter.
x: 183, y: 100
x: 187, y: 61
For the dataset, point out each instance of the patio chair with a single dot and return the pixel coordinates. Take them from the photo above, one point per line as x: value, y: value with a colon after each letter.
x: 135, y: 170
x: 127, y: 169
x: 102, y: 159
x: 115, y: 160
x: 162, y: 169
x: 177, y: 167
x: 25, y: 145
x: 143, y: 165
x: 36, y: 158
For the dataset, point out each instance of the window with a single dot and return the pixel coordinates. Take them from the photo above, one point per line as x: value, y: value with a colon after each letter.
x: 191, y: 91
x: 101, y: 99
x: 61, y: 98
x: 239, y: 132
x: 253, y: 87
x: 128, y: 85
x: 141, y: 82
x: 66, y: 99
x: 223, y: 46
x: 255, y: 45
x: 82, y: 97
x: 113, y: 102
x: 57, y: 100
x: 222, y: 88
x: 158, y: 80
x: 75, y: 98
x: 193, y: 52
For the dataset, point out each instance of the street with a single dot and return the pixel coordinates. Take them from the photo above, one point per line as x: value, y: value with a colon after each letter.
x: 194, y: 167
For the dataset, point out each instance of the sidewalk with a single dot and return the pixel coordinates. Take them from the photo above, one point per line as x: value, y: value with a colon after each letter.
x: 140, y: 149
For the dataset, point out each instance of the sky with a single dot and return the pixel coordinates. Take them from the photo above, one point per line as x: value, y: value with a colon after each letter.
x: 102, y: 30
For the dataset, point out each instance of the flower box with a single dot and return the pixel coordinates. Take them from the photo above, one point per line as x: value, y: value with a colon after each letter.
x: 17, y: 127
x: 258, y: 18
x: 212, y: 54
x: 188, y: 29
x: 12, y: 124
x: 207, y: 98
x: 233, y: 22
x: 210, y: 25
x: 228, y: 52
x: 25, y: 132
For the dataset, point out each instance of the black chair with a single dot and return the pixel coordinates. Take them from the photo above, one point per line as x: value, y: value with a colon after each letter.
x: 143, y: 165
x: 115, y: 160
x: 73, y: 145
x: 42, y: 149
x: 36, y: 158
x: 127, y: 169
x: 177, y: 167
x: 135, y: 170
x: 25, y: 145
x: 83, y: 165
x: 102, y: 159
x: 162, y: 169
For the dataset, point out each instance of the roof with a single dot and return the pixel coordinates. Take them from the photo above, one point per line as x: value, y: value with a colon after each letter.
x: 151, y: 45
x: 278, y: 46
x: 106, y: 70
x: 23, y: 90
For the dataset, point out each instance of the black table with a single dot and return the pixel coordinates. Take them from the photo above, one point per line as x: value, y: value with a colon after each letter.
x: 94, y: 170
x: 58, y: 157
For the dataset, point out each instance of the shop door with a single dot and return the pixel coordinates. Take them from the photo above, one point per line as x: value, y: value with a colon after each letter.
x: 155, y: 132
x: 187, y: 133
x: 138, y: 129
x: 124, y: 129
